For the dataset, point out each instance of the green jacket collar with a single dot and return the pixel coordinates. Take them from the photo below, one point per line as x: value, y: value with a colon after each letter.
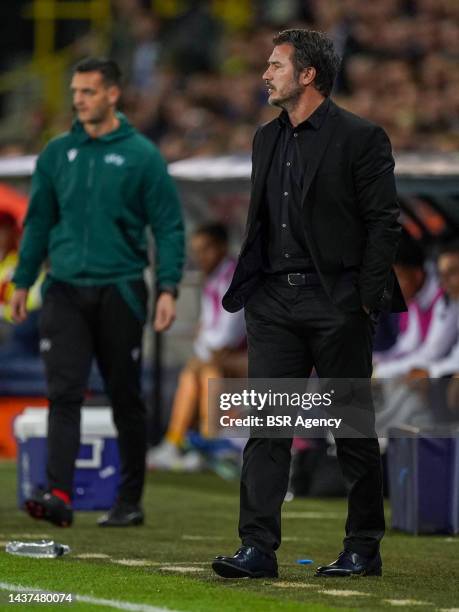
x: 124, y: 130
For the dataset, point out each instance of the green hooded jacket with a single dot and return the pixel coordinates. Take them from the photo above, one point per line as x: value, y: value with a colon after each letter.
x: 90, y: 204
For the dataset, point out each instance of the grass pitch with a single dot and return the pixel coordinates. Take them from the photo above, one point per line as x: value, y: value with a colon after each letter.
x: 190, y: 519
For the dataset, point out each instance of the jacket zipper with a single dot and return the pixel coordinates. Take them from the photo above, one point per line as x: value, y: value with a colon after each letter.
x: 89, y: 184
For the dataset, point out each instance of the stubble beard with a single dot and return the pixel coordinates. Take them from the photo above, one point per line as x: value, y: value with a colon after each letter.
x: 290, y: 100
x: 97, y: 118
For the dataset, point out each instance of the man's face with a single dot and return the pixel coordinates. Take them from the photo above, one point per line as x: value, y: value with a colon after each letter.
x: 283, y: 86
x: 410, y: 280
x: 206, y: 252
x: 93, y: 99
x: 448, y: 272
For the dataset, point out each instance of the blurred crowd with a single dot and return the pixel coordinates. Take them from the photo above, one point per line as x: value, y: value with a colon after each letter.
x: 193, y: 80
x: 204, y: 93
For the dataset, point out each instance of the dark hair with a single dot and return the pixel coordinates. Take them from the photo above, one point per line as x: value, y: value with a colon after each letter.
x: 410, y: 253
x: 109, y: 69
x: 314, y: 49
x: 217, y: 231
x: 450, y: 247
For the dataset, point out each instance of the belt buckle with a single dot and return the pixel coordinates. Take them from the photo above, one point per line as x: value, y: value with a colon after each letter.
x: 296, y: 275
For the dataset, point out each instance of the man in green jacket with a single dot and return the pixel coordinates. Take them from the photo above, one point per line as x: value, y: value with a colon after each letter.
x: 94, y: 192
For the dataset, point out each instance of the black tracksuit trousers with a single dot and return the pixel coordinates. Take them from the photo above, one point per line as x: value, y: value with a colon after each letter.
x: 77, y: 324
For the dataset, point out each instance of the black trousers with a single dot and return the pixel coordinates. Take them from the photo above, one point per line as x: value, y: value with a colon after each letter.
x: 77, y: 324
x: 290, y: 331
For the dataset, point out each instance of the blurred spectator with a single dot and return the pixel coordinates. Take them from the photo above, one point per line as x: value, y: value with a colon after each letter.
x: 407, y: 391
x: 219, y: 350
x: 145, y: 54
x: 434, y: 356
x: 421, y: 291
x: 15, y: 340
x: 9, y: 236
x: 447, y: 361
x: 193, y: 39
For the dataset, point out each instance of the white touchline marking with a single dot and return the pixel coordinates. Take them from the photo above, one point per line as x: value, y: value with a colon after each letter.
x: 25, y: 535
x: 452, y: 540
x: 312, y: 515
x: 294, y: 585
x: 449, y: 610
x: 121, y: 605
x: 407, y: 602
x: 96, y: 601
x: 135, y: 562
x: 201, y: 537
x: 183, y: 563
x: 91, y: 556
x: 336, y: 593
x: 184, y: 569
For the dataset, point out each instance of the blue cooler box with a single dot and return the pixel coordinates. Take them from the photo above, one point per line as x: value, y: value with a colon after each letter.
x: 97, y: 467
x: 424, y: 480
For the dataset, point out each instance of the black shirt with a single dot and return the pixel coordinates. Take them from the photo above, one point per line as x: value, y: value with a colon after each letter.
x: 286, y: 249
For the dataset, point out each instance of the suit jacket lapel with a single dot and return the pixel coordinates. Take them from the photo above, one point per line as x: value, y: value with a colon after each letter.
x: 314, y: 157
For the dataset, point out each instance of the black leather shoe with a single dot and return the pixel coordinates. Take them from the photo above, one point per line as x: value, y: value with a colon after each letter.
x: 122, y: 515
x: 49, y: 507
x: 248, y: 562
x: 350, y: 563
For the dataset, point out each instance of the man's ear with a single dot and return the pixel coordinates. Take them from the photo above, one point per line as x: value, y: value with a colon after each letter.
x: 114, y: 94
x: 308, y: 75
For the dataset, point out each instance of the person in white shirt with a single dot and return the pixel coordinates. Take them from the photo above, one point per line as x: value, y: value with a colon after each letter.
x: 443, y: 360
x: 420, y: 287
x: 405, y: 395
x: 219, y: 350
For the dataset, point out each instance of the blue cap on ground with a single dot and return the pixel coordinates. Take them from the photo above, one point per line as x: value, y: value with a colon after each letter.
x: 305, y: 561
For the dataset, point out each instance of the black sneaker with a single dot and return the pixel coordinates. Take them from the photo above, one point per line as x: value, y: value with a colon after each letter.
x: 122, y: 515
x: 46, y: 506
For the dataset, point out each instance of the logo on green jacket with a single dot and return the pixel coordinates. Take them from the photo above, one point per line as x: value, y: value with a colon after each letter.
x: 113, y: 158
x: 71, y: 154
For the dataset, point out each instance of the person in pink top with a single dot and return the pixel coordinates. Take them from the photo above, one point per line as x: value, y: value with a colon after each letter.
x: 427, y: 349
x: 422, y: 292
x: 219, y: 350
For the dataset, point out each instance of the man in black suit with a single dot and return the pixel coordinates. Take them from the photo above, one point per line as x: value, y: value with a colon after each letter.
x: 314, y: 270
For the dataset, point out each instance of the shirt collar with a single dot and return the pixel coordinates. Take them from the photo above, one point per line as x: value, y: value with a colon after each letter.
x: 428, y: 292
x: 216, y: 272
x: 315, y: 120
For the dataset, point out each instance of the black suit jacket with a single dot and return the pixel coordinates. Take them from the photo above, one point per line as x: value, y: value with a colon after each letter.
x: 350, y: 214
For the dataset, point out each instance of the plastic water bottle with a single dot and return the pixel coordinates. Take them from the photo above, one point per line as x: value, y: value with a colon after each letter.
x: 43, y: 549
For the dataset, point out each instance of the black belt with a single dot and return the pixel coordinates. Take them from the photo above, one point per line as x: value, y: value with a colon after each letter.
x: 297, y: 279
